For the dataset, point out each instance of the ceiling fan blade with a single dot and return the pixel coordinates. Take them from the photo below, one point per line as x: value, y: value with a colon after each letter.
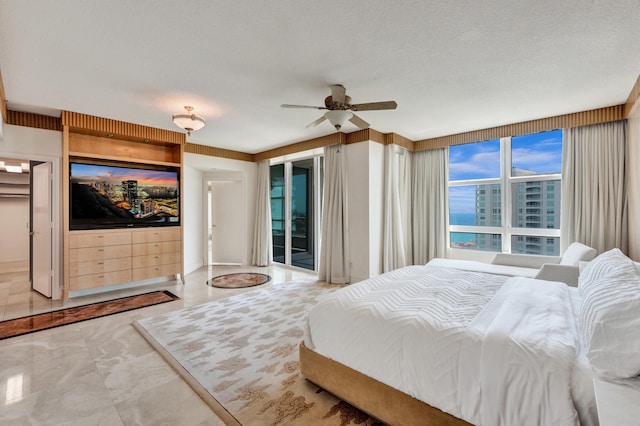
x: 318, y: 121
x: 338, y: 93
x: 359, y: 122
x: 302, y: 106
x: 371, y: 106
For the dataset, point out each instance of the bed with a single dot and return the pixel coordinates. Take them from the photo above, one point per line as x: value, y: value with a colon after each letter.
x: 430, y: 345
x: 563, y: 268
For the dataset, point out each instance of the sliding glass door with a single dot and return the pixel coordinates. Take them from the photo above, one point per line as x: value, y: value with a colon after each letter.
x: 278, y: 210
x: 302, y: 238
x: 295, y: 211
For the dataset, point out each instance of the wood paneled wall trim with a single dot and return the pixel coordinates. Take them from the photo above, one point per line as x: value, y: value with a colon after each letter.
x: 396, y: 139
x: 584, y: 118
x: 365, y: 135
x: 217, y: 152
x: 633, y: 100
x: 29, y: 119
x: 332, y: 139
x: 98, y: 126
x: 3, y: 101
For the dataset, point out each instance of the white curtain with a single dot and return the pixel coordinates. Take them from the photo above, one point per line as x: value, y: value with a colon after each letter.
x: 430, y: 204
x: 262, y: 250
x: 334, y: 247
x: 397, y: 241
x: 594, y: 190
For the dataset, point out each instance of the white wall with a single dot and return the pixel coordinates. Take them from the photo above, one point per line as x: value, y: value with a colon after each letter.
x: 358, y: 209
x: 201, y: 168
x: 14, y: 215
x: 192, y: 205
x: 14, y: 228
x: 376, y: 207
x: 364, y: 187
x: 31, y: 144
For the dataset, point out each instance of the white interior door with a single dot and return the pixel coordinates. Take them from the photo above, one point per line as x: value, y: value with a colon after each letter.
x: 227, y: 221
x: 42, y: 229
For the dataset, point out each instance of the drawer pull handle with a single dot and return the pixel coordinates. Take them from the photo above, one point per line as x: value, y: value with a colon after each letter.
x: 156, y: 257
x: 100, y: 263
x: 100, y: 249
x: 100, y: 276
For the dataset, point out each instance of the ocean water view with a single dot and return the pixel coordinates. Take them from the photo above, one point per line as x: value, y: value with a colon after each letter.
x: 462, y: 219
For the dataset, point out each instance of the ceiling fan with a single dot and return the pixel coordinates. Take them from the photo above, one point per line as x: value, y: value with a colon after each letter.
x: 340, y: 109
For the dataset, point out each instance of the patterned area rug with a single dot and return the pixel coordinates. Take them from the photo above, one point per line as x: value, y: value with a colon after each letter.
x: 239, y: 280
x: 24, y: 325
x: 241, y: 355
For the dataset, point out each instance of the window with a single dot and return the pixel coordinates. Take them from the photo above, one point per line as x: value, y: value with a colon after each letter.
x: 507, y: 177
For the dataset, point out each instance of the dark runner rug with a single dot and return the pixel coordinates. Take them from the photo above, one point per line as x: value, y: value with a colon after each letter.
x: 239, y: 280
x: 44, y: 321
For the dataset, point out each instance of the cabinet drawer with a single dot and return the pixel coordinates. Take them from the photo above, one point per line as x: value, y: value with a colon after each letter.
x: 98, y: 239
x: 99, y: 280
x: 152, y: 236
x: 155, y: 259
x: 155, y: 271
x: 155, y: 248
x: 99, y: 266
x: 98, y: 253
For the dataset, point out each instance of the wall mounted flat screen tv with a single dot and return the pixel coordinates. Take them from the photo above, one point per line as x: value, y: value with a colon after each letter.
x: 104, y: 196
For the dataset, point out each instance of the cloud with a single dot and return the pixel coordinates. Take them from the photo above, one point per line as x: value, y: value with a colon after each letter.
x: 480, y: 165
x: 537, y: 160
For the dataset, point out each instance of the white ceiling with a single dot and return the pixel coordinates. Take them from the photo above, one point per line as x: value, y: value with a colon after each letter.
x: 452, y: 66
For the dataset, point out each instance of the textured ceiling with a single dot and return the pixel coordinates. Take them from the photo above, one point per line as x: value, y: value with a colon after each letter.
x: 452, y: 66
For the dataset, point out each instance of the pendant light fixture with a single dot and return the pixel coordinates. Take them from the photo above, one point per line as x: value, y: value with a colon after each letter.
x: 189, y: 121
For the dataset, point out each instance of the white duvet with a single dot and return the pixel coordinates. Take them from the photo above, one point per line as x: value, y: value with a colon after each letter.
x: 489, y: 349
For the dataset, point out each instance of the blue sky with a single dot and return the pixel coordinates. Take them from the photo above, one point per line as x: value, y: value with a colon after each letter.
x: 540, y: 152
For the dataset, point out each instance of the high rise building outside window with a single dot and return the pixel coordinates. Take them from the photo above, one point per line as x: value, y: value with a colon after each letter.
x: 504, y: 195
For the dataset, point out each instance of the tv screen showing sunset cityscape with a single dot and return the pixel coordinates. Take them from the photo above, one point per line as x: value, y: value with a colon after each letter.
x: 114, y: 194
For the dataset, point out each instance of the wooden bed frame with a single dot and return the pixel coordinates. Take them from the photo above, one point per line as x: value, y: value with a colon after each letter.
x: 371, y: 396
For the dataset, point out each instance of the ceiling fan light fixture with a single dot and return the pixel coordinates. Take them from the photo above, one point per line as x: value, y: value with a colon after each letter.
x: 338, y: 117
x: 190, y: 121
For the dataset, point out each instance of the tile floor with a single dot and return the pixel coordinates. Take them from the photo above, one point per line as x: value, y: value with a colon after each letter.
x: 101, y: 371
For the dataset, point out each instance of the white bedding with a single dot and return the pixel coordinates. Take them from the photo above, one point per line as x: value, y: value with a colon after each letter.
x: 489, y: 349
x: 489, y: 268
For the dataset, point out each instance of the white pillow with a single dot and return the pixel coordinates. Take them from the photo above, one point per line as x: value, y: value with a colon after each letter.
x: 577, y: 252
x: 605, y: 265
x: 610, y: 315
x: 581, y: 265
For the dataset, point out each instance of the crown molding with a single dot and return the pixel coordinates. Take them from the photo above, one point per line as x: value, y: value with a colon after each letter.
x: 105, y: 127
x: 29, y: 119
